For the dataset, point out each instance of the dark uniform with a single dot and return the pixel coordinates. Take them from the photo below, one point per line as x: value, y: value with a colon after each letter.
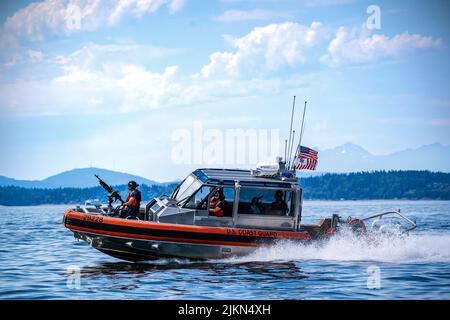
x: 279, y: 207
x: 133, y: 208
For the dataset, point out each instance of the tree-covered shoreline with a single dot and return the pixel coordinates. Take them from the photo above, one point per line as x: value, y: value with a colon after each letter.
x: 19, y: 196
x: 377, y: 185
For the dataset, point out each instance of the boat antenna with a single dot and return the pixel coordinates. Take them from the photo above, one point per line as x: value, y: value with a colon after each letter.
x: 290, y: 129
x: 301, y: 133
x: 285, y: 150
x: 292, y: 145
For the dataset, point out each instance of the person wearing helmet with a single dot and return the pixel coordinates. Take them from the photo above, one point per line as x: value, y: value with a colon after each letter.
x: 133, y: 201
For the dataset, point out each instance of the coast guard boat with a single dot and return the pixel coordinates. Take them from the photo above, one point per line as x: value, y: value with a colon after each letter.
x: 181, y: 225
x: 257, y: 208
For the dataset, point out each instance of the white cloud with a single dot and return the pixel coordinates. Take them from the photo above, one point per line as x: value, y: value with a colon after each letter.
x: 264, y: 49
x: 22, y: 57
x: 117, y: 88
x: 116, y: 78
x: 11, y: 63
x: 359, y: 46
x: 176, y: 5
x: 257, y: 14
x: 325, y: 3
x: 95, y: 78
x: 34, y: 55
x: 87, y: 88
x: 63, y: 17
x: 129, y: 88
x: 93, y: 55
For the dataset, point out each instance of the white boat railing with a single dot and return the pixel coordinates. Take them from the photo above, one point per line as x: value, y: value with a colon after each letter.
x: 397, y: 213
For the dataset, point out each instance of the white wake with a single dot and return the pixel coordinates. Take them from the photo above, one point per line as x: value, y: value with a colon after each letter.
x: 417, y: 248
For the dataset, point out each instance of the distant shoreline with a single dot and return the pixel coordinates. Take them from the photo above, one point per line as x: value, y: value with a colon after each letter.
x: 304, y: 200
x: 378, y: 185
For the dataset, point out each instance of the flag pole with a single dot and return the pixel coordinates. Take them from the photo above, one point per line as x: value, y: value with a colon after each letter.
x: 301, y: 133
x: 290, y: 132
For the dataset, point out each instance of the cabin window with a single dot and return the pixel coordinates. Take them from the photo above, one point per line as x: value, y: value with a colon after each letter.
x: 226, y: 205
x: 200, y: 199
x: 266, y: 202
x: 228, y: 193
x: 203, y: 199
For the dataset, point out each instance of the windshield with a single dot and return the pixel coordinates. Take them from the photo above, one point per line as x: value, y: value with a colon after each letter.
x: 187, y: 188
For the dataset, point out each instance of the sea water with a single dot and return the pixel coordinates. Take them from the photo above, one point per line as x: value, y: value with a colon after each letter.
x: 40, y: 259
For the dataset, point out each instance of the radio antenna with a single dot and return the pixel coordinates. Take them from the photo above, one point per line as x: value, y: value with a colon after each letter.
x: 285, y: 150
x: 290, y: 129
x: 301, y: 133
x: 292, y: 145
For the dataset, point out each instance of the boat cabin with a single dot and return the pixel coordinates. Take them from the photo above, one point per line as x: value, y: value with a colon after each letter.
x: 249, y: 201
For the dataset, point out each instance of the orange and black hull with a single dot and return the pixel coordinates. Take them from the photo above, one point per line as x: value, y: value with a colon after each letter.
x: 143, y: 240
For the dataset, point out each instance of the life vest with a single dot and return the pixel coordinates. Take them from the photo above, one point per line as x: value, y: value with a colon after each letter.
x: 137, y: 198
x: 220, y: 212
x: 213, y: 203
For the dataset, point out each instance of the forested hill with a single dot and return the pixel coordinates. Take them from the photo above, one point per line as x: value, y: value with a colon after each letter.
x: 378, y: 185
x: 352, y: 186
x: 18, y: 196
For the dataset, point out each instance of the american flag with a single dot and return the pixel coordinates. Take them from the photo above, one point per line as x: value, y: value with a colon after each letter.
x: 306, y: 159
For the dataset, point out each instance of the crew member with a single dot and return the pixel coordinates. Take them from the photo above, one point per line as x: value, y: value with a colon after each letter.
x: 214, y: 201
x: 220, y: 207
x: 255, y: 205
x: 279, y: 207
x: 133, y: 201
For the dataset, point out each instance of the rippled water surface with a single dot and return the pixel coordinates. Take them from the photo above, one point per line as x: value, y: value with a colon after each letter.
x: 39, y: 258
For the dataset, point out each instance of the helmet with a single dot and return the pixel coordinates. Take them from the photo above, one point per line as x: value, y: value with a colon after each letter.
x: 133, y: 184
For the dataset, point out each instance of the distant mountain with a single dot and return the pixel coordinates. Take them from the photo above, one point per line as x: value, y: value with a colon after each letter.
x: 77, y: 178
x: 345, y: 158
x: 5, y: 181
x: 351, y: 158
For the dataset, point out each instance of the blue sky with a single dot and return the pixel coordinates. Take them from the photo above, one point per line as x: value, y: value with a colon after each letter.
x: 110, y: 90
